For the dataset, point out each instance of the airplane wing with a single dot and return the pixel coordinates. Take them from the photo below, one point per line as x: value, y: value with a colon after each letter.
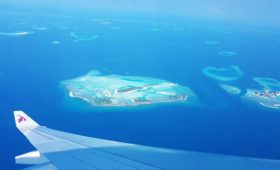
x: 66, y: 151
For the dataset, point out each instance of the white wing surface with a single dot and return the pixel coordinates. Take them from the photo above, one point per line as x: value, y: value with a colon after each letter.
x: 66, y: 151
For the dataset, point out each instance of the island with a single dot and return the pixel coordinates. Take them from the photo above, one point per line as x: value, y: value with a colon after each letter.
x: 117, y: 90
x: 267, y: 98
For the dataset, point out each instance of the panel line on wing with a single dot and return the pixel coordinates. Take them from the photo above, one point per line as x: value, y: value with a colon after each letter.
x: 35, y: 131
x: 82, y: 161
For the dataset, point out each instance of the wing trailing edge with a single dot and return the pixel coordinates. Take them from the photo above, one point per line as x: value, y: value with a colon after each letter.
x: 47, y: 166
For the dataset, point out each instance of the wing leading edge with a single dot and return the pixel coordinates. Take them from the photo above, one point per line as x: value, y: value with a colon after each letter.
x: 66, y: 151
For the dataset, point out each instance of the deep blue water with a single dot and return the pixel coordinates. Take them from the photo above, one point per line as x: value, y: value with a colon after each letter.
x: 173, y: 49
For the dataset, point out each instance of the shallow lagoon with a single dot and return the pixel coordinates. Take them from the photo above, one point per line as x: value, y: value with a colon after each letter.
x: 268, y: 83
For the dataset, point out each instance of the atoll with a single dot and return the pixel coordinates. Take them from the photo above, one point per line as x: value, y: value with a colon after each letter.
x: 116, y: 90
x: 223, y: 74
x: 230, y: 89
x: 227, y: 53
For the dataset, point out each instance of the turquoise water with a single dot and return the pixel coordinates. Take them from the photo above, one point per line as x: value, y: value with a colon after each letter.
x: 38, y: 51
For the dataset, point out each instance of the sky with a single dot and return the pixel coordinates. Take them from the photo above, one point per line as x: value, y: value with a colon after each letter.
x: 259, y: 12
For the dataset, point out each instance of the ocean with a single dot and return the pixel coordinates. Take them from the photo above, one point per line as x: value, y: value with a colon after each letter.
x: 38, y: 51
